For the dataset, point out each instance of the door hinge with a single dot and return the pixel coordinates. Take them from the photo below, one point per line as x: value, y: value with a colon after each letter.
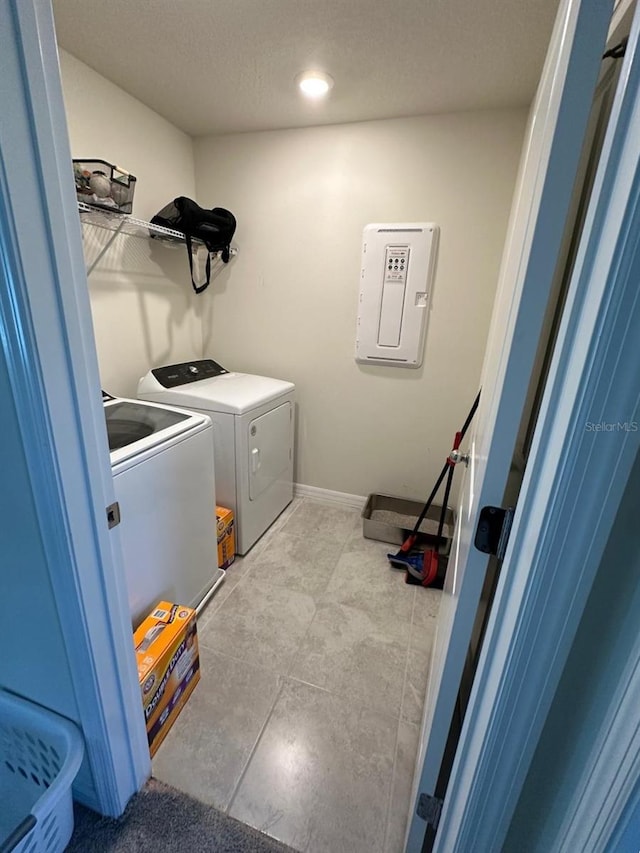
x: 113, y: 514
x: 494, y: 527
x: 429, y: 809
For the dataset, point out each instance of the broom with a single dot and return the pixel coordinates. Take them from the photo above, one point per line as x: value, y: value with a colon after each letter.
x: 422, y: 567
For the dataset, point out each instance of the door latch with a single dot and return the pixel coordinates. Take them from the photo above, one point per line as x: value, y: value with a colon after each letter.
x: 113, y: 514
x: 494, y: 527
x: 429, y: 809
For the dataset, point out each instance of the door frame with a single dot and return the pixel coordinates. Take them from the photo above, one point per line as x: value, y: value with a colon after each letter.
x: 48, y: 342
x: 549, y: 165
x: 561, y: 527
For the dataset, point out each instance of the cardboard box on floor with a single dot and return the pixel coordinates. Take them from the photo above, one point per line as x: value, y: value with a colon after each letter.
x: 166, y: 646
x: 226, y: 537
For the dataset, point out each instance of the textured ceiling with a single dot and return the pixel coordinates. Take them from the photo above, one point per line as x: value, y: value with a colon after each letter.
x: 221, y: 66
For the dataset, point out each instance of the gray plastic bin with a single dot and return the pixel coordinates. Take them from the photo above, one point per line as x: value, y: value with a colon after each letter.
x: 391, y: 519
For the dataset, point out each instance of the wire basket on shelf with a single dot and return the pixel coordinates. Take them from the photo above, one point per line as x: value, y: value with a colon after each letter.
x: 101, y: 184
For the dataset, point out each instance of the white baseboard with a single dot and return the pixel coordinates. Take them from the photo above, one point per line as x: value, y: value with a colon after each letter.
x: 302, y: 491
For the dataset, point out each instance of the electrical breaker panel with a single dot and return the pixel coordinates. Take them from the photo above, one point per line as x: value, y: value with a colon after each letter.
x: 396, y: 279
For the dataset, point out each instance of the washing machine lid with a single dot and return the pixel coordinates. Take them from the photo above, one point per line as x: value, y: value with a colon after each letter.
x: 134, y: 428
x: 234, y: 393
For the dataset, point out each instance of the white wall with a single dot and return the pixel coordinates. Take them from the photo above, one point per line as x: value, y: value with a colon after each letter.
x: 286, y: 306
x: 144, y: 312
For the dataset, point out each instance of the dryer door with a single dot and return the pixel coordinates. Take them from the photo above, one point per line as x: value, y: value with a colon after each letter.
x: 269, y: 449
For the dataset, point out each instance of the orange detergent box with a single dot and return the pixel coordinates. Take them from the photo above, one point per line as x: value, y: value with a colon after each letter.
x: 226, y: 537
x: 166, y: 646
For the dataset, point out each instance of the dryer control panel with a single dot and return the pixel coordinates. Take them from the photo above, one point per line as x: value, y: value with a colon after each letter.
x: 188, y: 371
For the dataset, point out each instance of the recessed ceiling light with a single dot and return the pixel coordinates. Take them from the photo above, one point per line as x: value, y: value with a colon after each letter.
x: 314, y: 84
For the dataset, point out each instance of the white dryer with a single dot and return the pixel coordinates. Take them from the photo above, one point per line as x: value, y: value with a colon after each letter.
x: 253, y: 426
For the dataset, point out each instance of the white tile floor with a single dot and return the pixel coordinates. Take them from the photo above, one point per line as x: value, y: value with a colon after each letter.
x: 314, y: 658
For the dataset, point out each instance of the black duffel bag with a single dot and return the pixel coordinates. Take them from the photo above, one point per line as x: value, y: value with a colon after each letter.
x: 214, y: 227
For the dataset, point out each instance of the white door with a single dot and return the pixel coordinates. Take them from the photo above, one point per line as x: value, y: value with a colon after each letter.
x: 548, y: 168
x: 269, y: 449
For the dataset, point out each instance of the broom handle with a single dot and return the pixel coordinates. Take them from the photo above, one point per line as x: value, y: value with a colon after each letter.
x: 426, y: 507
x: 443, y: 473
x: 445, y: 502
x: 467, y: 423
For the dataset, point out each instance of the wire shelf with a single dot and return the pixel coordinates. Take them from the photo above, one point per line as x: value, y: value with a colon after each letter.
x: 121, y: 223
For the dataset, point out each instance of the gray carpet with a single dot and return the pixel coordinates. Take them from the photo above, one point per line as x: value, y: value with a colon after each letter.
x: 161, y: 819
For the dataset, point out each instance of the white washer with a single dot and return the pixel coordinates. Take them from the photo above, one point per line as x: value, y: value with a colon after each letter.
x: 163, y: 474
x: 253, y: 421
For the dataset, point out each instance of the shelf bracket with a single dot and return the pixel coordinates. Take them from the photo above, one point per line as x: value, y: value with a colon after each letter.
x: 104, y: 249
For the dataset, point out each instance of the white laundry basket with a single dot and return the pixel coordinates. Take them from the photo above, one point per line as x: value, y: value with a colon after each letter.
x: 40, y: 754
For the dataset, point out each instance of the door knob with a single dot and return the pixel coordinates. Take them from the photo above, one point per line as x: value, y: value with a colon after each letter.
x: 457, y: 456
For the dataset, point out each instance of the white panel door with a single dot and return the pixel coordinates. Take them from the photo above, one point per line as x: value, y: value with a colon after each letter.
x: 396, y: 280
x: 269, y: 449
x: 548, y: 168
